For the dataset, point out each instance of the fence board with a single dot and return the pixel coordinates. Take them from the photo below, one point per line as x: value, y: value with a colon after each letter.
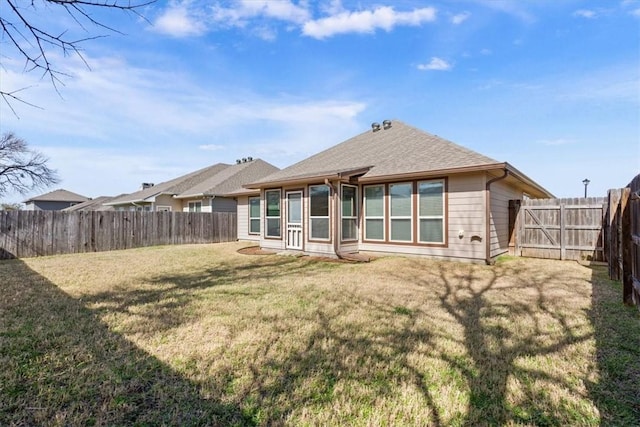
x: 36, y: 233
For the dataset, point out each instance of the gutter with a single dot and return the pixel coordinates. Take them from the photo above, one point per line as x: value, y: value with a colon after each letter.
x: 487, y: 214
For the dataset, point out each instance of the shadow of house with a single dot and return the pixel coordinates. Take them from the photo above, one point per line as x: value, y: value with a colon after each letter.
x: 63, y: 366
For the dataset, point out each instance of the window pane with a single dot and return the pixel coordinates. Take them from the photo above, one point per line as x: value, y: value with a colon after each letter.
x: 319, y: 228
x: 254, y: 225
x: 401, y: 229
x: 348, y: 201
x: 431, y: 196
x: 431, y: 230
x: 349, y: 230
x: 319, y: 196
x: 273, y: 203
x: 273, y: 227
x: 254, y: 207
x: 295, y: 208
x: 374, y: 229
x: 374, y: 200
x: 400, y: 199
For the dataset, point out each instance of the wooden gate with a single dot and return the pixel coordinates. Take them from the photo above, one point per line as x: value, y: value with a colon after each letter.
x: 570, y: 228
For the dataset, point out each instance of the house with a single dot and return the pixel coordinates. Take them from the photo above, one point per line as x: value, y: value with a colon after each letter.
x: 54, y: 201
x: 391, y: 189
x: 211, y: 189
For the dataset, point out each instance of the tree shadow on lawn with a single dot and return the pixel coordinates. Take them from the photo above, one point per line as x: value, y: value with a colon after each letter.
x: 506, y: 340
x: 161, y: 301
x: 62, y: 366
x: 617, y: 334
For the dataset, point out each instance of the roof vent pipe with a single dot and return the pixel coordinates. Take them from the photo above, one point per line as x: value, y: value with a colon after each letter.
x: 375, y: 126
x: 250, y: 159
x: 386, y: 124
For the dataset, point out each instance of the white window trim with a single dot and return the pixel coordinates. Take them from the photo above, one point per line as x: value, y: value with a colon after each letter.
x: 366, y: 217
x: 253, y: 217
x: 442, y: 217
x: 327, y: 217
x: 410, y: 217
x: 352, y: 217
x: 266, y: 211
x: 163, y: 208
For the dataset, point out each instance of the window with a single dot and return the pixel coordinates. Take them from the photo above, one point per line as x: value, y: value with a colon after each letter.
x: 374, y: 212
x: 400, y: 212
x: 431, y: 211
x: 195, y: 206
x: 273, y: 213
x: 254, y: 215
x: 319, y: 212
x: 163, y: 208
x: 349, y: 212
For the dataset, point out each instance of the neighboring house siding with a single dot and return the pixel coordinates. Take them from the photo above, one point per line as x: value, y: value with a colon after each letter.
x: 47, y: 206
x: 501, y: 193
x: 168, y: 200
x: 224, y: 204
x: 465, y: 205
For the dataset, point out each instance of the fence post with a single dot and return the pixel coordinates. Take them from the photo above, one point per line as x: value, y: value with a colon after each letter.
x: 626, y: 244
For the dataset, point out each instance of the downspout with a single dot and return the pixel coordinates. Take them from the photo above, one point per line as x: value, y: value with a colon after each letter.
x: 487, y: 214
x: 336, y: 211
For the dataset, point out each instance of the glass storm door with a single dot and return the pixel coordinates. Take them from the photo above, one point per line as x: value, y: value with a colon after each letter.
x: 294, y: 220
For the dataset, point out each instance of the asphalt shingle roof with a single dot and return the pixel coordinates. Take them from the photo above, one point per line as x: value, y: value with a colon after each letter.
x: 60, y: 195
x: 400, y: 149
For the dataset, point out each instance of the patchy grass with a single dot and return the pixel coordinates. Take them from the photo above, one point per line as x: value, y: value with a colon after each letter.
x: 202, y: 335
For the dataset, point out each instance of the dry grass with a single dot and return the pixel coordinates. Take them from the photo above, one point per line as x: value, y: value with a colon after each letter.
x: 202, y: 335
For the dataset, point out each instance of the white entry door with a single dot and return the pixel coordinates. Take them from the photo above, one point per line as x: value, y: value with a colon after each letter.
x: 294, y: 220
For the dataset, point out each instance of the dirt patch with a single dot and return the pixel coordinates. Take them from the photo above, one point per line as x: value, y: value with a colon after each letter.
x: 254, y: 250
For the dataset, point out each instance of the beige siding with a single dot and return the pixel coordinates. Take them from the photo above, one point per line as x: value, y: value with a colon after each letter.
x: 466, y: 207
x: 168, y: 200
x: 501, y: 193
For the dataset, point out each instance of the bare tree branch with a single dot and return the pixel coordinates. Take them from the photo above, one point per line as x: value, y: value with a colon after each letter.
x: 35, y: 43
x: 23, y: 169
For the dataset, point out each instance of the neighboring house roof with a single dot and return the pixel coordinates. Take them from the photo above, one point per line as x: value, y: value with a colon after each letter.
x: 59, y: 195
x: 97, y: 204
x: 171, y: 187
x: 231, y: 180
x: 217, y: 180
x: 398, y: 150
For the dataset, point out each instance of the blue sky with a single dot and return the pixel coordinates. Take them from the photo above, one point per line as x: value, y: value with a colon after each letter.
x: 552, y: 87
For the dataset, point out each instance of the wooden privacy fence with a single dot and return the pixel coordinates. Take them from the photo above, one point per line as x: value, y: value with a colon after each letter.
x: 623, y: 232
x: 568, y: 228
x: 37, y: 233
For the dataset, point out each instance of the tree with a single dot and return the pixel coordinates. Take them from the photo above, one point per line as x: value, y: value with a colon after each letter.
x: 34, y: 43
x: 22, y: 169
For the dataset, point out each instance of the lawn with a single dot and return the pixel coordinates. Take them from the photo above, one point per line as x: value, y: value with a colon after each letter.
x: 204, y: 335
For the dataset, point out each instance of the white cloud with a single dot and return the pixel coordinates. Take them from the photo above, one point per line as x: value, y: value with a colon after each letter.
x: 366, y: 21
x: 485, y: 52
x: 635, y: 12
x: 163, y: 112
x: 437, y: 64
x: 460, y: 18
x: 244, y: 10
x: 179, y: 21
x: 585, y: 13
